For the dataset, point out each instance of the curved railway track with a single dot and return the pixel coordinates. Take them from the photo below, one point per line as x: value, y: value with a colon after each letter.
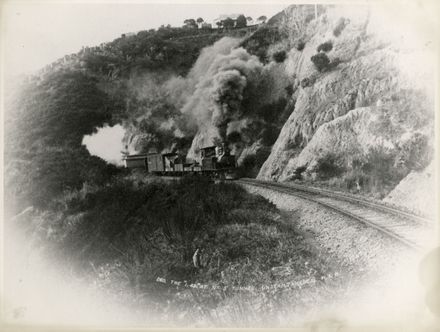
x: 409, y: 229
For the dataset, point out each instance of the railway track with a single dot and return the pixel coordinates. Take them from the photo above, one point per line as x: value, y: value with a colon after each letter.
x: 410, y: 230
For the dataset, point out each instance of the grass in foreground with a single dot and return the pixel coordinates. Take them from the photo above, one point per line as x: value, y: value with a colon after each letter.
x: 133, y: 238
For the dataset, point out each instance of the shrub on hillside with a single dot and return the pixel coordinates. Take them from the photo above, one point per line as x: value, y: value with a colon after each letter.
x: 325, y: 47
x: 181, y: 211
x: 308, y: 81
x: 166, y: 47
x: 241, y: 21
x: 260, y: 41
x: 49, y: 172
x: 279, y: 56
x: 321, y: 61
x: 60, y: 110
x: 328, y: 166
x: 376, y: 173
x: 415, y: 153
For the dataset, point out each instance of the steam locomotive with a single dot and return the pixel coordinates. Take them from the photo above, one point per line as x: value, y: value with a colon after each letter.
x: 216, y: 161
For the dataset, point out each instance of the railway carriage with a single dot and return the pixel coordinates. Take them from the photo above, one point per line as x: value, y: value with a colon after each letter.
x: 155, y: 163
x: 135, y: 161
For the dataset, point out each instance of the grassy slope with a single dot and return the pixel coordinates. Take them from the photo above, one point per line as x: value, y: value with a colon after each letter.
x: 125, y: 235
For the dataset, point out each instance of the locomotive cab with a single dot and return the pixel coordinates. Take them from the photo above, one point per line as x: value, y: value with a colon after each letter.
x: 217, y: 158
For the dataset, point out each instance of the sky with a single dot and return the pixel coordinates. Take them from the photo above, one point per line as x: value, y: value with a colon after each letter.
x: 37, y: 33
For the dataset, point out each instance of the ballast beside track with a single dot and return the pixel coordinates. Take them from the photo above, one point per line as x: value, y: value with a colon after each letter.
x: 410, y: 230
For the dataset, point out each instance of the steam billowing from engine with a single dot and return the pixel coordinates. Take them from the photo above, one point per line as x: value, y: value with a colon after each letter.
x: 217, y: 98
x: 206, y: 105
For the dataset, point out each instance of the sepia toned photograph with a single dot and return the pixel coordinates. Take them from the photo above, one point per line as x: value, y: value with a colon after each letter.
x: 219, y: 165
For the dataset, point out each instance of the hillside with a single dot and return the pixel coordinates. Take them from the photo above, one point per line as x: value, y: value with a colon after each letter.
x: 362, y: 110
x: 333, y: 98
x: 47, y: 117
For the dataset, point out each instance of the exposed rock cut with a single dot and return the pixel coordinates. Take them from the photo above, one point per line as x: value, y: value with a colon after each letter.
x: 416, y: 192
x: 369, y: 84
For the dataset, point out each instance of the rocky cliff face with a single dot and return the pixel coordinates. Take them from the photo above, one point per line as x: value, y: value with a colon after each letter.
x: 423, y: 197
x: 375, y: 93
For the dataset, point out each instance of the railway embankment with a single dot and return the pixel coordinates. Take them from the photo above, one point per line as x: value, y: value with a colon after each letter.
x: 375, y: 267
x: 359, y: 248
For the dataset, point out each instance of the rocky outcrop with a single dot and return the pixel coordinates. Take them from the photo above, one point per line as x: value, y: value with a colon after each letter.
x: 416, y: 192
x: 367, y: 85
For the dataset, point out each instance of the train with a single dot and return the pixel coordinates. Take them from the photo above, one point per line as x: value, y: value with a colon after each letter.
x: 216, y: 161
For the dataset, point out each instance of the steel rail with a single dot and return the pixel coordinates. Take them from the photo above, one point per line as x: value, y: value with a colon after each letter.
x: 291, y: 191
x: 348, y: 198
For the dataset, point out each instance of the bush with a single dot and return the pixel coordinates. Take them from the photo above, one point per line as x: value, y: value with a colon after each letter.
x: 181, y: 211
x: 416, y: 153
x: 353, y: 180
x: 241, y: 21
x: 307, y: 81
x: 328, y: 167
x: 279, y: 56
x: 375, y: 174
x: 49, y: 172
x: 260, y: 41
x: 321, y: 61
x: 325, y: 47
x: 298, y: 173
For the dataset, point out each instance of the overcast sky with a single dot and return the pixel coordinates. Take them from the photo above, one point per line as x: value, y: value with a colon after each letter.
x: 37, y: 33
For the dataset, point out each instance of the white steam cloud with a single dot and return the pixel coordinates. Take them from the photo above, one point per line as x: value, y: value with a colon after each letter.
x: 106, y: 143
